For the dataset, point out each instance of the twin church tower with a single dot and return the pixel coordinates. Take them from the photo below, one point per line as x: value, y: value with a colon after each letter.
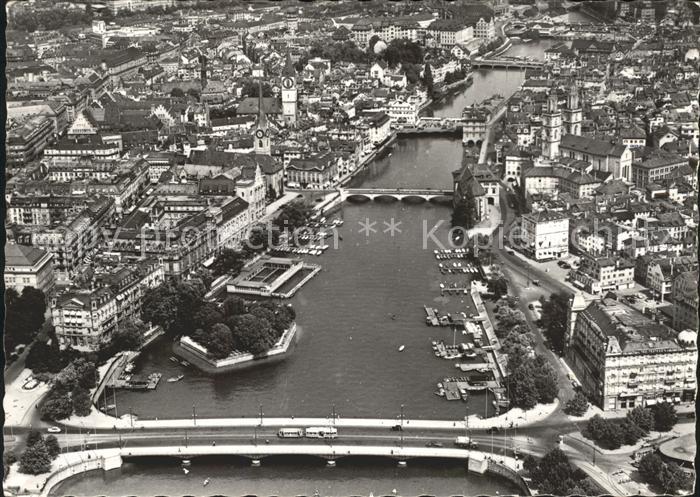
x: 261, y: 135
x: 556, y: 121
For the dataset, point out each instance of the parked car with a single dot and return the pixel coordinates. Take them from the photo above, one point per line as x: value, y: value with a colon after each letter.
x: 493, y: 429
x: 433, y: 444
x: 54, y: 429
x: 536, y: 282
x: 397, y: 428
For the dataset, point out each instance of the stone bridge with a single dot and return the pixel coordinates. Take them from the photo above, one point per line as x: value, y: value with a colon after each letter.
x: 422, y: 194
x: 507, y: 63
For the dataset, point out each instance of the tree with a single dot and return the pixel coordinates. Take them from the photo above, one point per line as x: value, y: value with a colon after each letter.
x: 260, y: 239
x: 373, y: 41
x: 52, y: 446
x: 498, y: 286
x: 177, y: 92
x: 521, y: 389
x: 128, y: 336
x: 631, y: 433
x: 545, y: 380
x: 24, y: 315
x: 208, y: 315
x: 664, y: 417
x: 35, y: 460
x: 553, y: 474
x: 251, y: 89
x: 642, y: 417
x: 577, y: 405
x: 251, y: 334
x: 80, y: 398
x: 428, y: 80
x: 220, y: 343
x: 234, y: 306
x: 33, y: 437
x: 293, y: 216
x: 228, y: 261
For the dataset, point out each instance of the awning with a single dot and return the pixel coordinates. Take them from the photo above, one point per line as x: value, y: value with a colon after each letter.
x: 651, y: 402
x: 677, y: 399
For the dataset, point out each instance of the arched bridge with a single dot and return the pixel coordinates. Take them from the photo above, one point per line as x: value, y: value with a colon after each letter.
x: 425, y: 194
x: 507, y: 63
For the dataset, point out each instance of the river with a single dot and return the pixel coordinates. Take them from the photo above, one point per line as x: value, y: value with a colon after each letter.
x: 346, y: 354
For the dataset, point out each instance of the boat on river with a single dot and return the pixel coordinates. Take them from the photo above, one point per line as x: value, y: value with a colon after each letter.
x: 176, y: 378
x: 402, y: 348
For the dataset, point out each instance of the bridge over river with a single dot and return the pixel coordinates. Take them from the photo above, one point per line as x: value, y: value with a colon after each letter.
x: 506, y: 63
x: 426, y: 194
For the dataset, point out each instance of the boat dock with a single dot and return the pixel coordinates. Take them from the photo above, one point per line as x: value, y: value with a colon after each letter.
x: 431, y: 316
x: 128, y: 381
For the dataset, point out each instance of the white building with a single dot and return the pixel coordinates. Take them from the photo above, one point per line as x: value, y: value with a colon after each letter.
x: 545, y: 235
x: 402, y: 113
x: 27, y: 266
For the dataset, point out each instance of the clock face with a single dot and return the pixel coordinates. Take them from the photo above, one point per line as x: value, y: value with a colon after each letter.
x: 259, y: 133
x: 287, y: 83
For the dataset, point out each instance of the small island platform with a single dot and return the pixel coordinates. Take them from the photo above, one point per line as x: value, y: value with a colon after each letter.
x: 198, y: 356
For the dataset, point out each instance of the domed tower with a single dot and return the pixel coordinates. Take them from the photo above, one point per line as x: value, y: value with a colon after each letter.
x: 261, y: 138
x: 289, y: 92
x: 551, y: 127
x: 573, y: 114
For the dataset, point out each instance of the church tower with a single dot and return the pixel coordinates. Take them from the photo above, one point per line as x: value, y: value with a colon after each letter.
x: 551, y: 127
x: 261, y: 137
x: 573, y: 115
x: 289, y: 92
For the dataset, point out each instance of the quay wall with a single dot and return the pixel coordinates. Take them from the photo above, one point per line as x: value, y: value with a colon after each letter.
x: 503, y: 471
x: 197, y: 355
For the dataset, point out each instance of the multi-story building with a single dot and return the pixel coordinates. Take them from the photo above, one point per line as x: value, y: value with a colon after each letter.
x: 125, y: 184
x: 485, y: 29
x: 71, y: 240
x: 660, y: 166
x: 545, y: 235
x: 402, y: 112
x: 685, y: 301
x: 115, y: 6
x: 28, y: 267
x: 624, y: 359
x: 26, y: 140
x: 93, y: 146
x: 378, y: 128
x: 598, y: 275
x: 447, y: 32
x: 314, y: 172
x: 86, y: 319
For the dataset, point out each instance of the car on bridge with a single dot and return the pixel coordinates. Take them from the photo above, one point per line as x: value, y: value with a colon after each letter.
x: 433, y: 444
x: 54, y: 429
x: 397, y: 428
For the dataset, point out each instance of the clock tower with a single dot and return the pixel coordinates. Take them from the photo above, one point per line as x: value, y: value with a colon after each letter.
x: 261, y: 135
x: 289, y: 92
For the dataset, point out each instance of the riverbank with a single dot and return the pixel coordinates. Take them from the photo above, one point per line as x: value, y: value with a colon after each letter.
x: 198, y: 356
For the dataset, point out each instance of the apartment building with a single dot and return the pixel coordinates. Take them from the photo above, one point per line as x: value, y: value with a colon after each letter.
x: 27, y: 139
x: 28, y: 267
x: 601, y: 274
x: 623, y: 359
x: 545, y: 235
x: 685, y: 301
x: 86, y: 319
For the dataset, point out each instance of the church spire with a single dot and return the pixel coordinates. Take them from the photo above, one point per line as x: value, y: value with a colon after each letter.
x: 262, y: 118
x: 289, y: 66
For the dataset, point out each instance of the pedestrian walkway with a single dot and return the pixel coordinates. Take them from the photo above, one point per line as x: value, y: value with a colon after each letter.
x: 20, y: 404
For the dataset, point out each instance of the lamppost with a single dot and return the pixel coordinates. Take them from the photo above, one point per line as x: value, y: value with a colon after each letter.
x: 261, y: 415
x: 194, y: 414
x: 333, y: 414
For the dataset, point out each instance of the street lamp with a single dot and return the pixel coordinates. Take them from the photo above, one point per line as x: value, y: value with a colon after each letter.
x: 401, y: 430
x: 333, y: 414
x: 194, y: 414
x: 261, y: 415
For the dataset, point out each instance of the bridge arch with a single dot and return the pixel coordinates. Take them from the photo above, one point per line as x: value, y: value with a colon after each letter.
x: 414, y: 199
x: 470, y: 143
x: 386, y: 198
x: 358, y: 198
